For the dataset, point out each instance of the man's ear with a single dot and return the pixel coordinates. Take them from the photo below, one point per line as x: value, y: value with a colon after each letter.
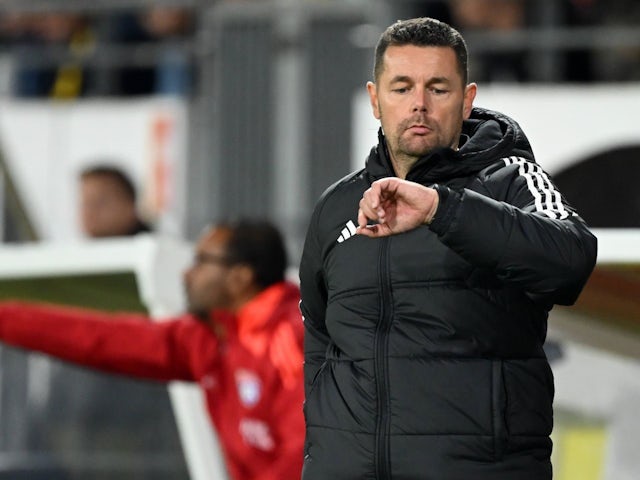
x: 373, y: 98
x: 469, y: 96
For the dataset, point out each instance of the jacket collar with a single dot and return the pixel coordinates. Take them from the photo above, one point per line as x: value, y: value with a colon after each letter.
x: 257, y: 313
x: 486, y: 137
x: 251, y: 324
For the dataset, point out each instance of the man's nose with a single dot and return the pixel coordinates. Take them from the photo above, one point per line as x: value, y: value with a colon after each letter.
x: 420, y: 100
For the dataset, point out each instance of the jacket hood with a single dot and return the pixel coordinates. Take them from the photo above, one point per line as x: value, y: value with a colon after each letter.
x: 486, y: 137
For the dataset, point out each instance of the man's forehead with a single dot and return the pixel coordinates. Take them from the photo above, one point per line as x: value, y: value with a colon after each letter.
x: 400, y: 57
x: 103, y: 183
x: 214, y: 237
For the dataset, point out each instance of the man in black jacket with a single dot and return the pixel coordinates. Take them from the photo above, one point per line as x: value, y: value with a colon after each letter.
x: 427, y: 278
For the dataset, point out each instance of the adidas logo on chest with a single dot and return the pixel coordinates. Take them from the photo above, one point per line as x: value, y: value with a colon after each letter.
x: 347, y: 232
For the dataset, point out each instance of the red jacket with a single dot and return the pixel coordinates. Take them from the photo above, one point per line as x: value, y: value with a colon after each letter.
x: 250, y: 370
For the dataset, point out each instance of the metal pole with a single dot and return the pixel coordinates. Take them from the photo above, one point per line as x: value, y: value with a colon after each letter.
x: 290, y: 105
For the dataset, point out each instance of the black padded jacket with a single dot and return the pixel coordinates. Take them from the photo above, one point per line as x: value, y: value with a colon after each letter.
x: 424, y: 351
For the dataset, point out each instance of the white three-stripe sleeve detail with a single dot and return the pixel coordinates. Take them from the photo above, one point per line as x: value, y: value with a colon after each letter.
x: 547, y: 198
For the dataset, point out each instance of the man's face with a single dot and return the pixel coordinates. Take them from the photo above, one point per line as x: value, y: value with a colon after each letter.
x: 207, y: 280
x: 420, y: 100
x: 105, y: 209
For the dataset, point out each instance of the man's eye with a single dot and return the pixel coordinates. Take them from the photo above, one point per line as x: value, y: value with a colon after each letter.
x: 439, y: 91
x: 401, y: 90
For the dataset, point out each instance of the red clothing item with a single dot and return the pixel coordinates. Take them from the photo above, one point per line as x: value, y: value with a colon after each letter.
x: 250, y: 372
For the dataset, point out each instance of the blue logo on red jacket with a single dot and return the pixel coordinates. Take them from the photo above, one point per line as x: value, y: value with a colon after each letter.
x: 249, y: 387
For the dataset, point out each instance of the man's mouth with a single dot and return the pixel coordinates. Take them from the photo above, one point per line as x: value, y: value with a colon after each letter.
x: 419, y: 129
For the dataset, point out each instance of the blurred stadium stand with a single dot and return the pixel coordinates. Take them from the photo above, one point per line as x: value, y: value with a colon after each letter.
x: 272, y: 81
x: 269, y: 94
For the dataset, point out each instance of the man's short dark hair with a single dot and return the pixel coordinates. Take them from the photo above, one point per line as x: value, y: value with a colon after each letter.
x: 258, y: 244
x: 422, y: 32
x: 115, y: 174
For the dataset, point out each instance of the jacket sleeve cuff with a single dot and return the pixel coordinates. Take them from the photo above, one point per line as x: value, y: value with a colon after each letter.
x: 448, y: 204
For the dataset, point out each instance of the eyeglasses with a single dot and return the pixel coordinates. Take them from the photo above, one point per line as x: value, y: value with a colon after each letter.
x: 202, y: 257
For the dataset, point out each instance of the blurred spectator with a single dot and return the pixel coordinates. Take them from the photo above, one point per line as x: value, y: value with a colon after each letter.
x: 499, y: 15
x: 492, y: 15
x: 168, y: 28
x: 618, y: 63
x: 165, y: 25
x: 108, y: 203
x: 70, y: 35
x: 437, y: 9
x: 574, y: 64
x: 69, y: 68
x: 577, y: 65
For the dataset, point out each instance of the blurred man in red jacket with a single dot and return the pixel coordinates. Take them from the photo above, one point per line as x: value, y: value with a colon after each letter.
x: 241, y: 341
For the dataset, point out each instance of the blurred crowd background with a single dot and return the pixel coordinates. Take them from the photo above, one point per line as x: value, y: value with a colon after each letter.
x: 223, y: 108
x: 68, y: 50
x: 286, y: 70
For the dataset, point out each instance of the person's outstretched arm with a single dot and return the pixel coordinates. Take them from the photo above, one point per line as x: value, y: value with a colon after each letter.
x: 128, y: 344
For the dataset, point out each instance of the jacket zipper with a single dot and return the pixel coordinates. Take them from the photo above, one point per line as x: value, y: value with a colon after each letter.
x: 381, y: 365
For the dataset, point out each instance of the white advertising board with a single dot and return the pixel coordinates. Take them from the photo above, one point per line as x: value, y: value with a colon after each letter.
x: 47, y: 144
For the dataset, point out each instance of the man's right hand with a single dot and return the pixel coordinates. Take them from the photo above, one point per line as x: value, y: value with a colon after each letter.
x: 396, y: 206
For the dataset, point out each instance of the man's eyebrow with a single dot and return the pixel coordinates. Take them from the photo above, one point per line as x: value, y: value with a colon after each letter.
x: 401, y: 78
x: 407, y: 79
x: 439, y: 80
